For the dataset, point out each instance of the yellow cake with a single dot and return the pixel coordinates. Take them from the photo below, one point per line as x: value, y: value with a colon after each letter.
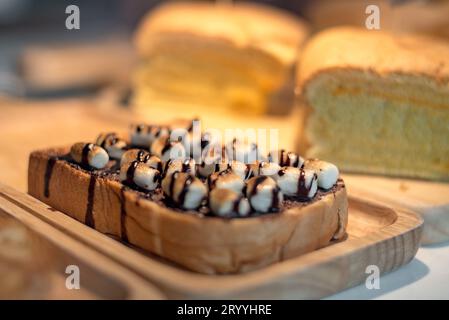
x: 215, y: 55
x: 376, y: 102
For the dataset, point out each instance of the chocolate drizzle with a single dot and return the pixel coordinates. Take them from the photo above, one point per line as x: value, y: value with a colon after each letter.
x: 303, y: 190
x: 185, y: 189
x: 85, y: 154
x: 89, y: 216
x: 281, y: 172
x: 143, y: 156
x: 275, y: 199
x: 166, y: 147
x: 130, y: 172
x: 123, y: 230
x: 257, y: 182
x: 186, y: 166
x: 48, y: 173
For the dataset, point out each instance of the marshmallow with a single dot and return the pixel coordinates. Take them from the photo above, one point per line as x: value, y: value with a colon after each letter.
x: 263, y: 168
x: 243, y: 151
x: 298, y: 182
x: 244, y: 171
x: 264, y: 194
x: 144, y: 135
x: 327, y: 172
x: 141, y: 156
x: 226, y: 180
x: 213, y: 159
x: 178, y: 165
x: 89, y: 154
x: 227, y: 203
x: 139, y: 174
x: 166, y: 149
x: 286, y: 159
x: 184, y: 189
x: 114, y: 145
x: 183, y: 136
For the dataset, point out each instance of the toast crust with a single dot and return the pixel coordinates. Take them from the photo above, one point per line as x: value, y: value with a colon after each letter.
x: 209, y: 245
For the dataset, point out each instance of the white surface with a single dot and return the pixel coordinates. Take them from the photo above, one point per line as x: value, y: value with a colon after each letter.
x: 425, y: 277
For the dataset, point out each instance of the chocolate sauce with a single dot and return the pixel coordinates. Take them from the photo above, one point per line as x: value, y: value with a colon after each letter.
x: 166, y: 147
x: 123, y: 231
x: 275, y: 199
x: 89, y: 216
x: 281, y: 172
x: 235, y: 206
x: 282, y: 163
x: 185, y: 189
x: 186, y: 166
x: 249, y: 172
x: 85, y: 154
x: 130, y: 172
x: 302, y: 191
x: 48, y: 172
x: 139, y: 128
x: 257, y: 181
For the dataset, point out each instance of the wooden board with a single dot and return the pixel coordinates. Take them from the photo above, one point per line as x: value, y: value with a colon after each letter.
x: 427, y: 198
x: 34, y: 257
x: 377, y: 235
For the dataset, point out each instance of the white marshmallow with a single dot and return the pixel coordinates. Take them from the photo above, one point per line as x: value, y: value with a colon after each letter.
x: 179, y: 165
x: 285, y: 159
x: 89, y: 154
x: 226, y: 203
x: 144, y: 135
x: 242, y: 170
x: 297, y: 182
x: 226, y: 180
x: 262, y: 168
x: 166, y: 149
x: 184, y: 189
x: 113, y: 144
x: 264, y: 194
x: 141, y: 156
x: 327, y: 172
x: 243, y: 151
x: 138, y: 173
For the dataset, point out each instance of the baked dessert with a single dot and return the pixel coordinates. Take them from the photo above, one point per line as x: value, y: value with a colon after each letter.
x: 215, y: 214
x: 376, y: 102
x: 209, y: 54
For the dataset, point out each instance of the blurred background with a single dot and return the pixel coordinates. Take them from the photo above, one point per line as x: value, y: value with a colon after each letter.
x: 35, y: 46
x: 58, y: 86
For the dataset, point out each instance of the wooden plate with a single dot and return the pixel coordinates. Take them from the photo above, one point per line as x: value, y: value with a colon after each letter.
x: 377, y: 235
x: 430, y: 199
x: 34, y: 261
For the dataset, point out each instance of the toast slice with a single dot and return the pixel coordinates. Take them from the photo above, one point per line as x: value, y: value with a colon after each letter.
x: 202, y: 243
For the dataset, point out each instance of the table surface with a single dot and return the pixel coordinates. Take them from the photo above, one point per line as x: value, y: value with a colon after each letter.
x: 425, y: 277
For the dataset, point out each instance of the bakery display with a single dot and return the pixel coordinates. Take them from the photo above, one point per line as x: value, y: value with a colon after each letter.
x: 375, y: 102
x: 217, y: 213
x: 208, y: 54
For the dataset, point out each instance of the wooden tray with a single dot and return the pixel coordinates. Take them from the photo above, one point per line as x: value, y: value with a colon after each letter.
x: 34, y: 257
x: 376, y: 235
x: 427, y: 198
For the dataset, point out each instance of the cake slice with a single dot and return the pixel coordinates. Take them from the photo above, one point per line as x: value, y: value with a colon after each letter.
x: 211, y: 217
x: 375, y: 102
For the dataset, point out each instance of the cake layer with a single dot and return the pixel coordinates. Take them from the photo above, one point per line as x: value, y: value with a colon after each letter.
x: 200, y: 243
x: 376, y: 103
